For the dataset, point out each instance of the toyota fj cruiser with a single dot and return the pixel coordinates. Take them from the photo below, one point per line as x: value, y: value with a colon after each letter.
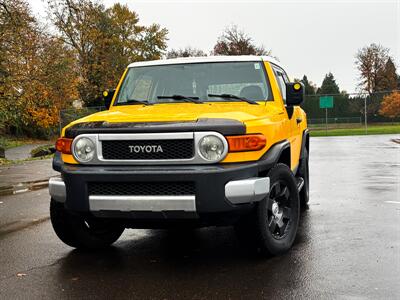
x: 187, y: 142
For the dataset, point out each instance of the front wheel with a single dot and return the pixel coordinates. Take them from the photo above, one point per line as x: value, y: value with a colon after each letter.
x: 82, y: 232
x: 278, y: 215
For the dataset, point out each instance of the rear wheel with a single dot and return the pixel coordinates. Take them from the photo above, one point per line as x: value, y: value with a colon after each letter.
x: 82, y: 232
x: 304, y: 173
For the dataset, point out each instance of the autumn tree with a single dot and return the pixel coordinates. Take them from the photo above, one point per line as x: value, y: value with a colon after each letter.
x: 185, y: 52
x: 234, y: 41
x: 377, y: 76
x: 371, y: 62
x: 105, y: 41
x: 390, y: 106
x: 37, y: 73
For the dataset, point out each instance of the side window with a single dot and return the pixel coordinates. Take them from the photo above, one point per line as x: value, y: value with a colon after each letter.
x: 282, y: 80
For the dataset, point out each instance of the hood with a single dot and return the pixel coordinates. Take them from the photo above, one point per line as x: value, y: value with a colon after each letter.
x: 239, y: 111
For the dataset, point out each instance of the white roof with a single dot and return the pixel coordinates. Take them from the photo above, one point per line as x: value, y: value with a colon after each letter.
x: 203, y: 59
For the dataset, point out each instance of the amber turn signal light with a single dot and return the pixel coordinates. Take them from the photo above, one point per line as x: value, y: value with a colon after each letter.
x: 63, y: 145
x: 250, y: 142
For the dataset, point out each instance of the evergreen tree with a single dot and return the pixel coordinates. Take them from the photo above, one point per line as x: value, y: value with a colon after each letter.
x: 388, y: 77
x: 310, y: 103
x: 341, y: 106
x: 309, y: 88
x: 329, y: 85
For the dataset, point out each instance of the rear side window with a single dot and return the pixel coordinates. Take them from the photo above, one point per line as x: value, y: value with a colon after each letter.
x: 282, y: 79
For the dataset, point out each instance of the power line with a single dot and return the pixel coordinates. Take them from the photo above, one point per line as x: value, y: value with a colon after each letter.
x: 356, y: 94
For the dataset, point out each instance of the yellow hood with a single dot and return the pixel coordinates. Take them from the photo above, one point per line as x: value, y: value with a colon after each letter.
x: 181, y: 112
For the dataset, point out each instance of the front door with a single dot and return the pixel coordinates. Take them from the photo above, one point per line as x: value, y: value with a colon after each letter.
x: 294, y: 115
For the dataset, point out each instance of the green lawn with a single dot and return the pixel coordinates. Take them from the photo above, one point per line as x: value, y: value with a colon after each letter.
x: 9, y: 142
x: 372, y: 129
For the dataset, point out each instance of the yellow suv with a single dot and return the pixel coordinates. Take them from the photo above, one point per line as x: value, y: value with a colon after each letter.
x: 187, y: 142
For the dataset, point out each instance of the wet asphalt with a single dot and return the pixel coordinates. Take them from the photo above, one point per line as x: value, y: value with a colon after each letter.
x: 348, y: 245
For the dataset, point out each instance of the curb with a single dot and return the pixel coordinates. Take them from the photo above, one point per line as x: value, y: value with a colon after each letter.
x: 24, y: 187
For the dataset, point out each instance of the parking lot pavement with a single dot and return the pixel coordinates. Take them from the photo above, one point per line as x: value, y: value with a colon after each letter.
x: 24, y: 151
x: 348, y: 244
x: 23, y: 210
x: 20, y: 174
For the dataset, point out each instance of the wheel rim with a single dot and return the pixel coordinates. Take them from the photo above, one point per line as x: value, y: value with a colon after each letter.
x: 279, y: 210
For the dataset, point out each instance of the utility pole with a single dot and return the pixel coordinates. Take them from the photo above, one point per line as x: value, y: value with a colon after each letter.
x: 326, y: 121
x: 365, y: 115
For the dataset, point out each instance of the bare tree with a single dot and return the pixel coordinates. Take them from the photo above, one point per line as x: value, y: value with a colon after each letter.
x: 371, y: 62
x: 186, y: 52
x: 234, y: 41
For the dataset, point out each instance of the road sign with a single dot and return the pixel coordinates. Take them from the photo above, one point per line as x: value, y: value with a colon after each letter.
x: 326, y: 102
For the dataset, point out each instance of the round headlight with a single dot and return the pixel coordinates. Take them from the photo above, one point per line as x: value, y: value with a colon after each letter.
x: 84, y: 149
x: 211, y: 147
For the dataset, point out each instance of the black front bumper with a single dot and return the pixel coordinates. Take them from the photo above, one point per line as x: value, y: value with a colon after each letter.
x: 209, y: 182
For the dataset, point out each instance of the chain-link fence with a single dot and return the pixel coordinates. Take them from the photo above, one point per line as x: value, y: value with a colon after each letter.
x: 349, y: 110
x: 335, y: 122
x: 347, y: 105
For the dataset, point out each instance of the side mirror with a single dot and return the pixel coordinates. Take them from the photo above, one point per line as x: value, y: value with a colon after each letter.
x: 294, y: 93
x: 108, y: 96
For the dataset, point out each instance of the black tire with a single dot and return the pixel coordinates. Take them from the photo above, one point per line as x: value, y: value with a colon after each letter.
x: 283, y: 192
x: 304, y: 173
x: 253, y: 231
x: 256, y: 230
x: 80, y: 232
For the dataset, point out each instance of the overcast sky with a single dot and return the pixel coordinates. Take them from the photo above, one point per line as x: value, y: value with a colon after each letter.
x: 308, y: 37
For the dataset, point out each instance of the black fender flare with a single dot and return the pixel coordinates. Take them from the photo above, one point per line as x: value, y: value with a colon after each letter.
x: 57, y: 161
x: 305, y: 143
x: 272, y: 156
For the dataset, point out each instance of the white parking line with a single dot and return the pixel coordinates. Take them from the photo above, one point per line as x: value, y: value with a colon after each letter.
x: 393, y: 202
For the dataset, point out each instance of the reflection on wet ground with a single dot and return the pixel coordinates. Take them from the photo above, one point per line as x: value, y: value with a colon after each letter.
x: 348, y: 245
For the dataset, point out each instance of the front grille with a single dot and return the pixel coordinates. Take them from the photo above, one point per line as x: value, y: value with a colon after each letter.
x: 142, y: 188
x: 171, y: 149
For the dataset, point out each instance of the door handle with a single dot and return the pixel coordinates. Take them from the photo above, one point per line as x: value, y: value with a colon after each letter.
x: 298, y: 120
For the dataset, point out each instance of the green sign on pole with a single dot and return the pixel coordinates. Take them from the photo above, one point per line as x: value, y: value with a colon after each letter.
x: 326, y: 102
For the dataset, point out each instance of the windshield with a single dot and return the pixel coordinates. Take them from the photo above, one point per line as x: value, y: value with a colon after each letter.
x: 202, y: 81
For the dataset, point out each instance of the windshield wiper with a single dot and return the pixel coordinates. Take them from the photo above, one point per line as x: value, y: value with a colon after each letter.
x: 181, y: 97
x: 230, y: 96
x: 135, y: 101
